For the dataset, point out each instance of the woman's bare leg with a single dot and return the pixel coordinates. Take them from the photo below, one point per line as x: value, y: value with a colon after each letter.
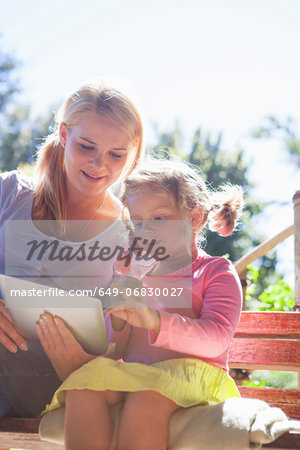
x: 145, y: 421
x: 88, y: 423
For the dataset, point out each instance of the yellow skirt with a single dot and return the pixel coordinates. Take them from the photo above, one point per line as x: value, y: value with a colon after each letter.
x: 186, y: 381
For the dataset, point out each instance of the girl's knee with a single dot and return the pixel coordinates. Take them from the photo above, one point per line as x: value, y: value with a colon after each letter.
x: 147, y: 402
x: 110, y: 398
x: 83, y: 397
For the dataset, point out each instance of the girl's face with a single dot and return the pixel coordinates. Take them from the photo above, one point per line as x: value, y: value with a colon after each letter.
x: 96, y: 151
x: 156, y: 216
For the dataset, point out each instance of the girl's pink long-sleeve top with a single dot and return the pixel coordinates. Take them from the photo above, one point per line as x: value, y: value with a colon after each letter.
x: 202, y: 331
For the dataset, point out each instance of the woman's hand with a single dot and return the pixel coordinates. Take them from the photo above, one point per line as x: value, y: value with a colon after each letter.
x: 59, y: 344
x: 9, y: 337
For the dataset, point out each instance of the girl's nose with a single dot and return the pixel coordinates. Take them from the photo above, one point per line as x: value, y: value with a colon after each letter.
x: 145, y: 229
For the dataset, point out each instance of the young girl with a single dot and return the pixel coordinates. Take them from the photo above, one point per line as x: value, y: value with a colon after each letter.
x: 97, y: 141
x: 172, y: 357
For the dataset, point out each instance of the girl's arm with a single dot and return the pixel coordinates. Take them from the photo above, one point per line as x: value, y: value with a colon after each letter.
x: 117, y: 325
x: 211, y: 333
x: 118, y: 334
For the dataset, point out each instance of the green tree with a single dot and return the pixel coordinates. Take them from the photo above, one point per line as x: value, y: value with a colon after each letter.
x: 285, y: 130
x: 8, y: 90
x: 8, y: 82
x: 19, y: 133
x: 168, y: 143
x: 15, y: 137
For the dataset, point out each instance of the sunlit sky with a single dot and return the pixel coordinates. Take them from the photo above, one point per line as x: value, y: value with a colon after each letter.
x: 221, y: 65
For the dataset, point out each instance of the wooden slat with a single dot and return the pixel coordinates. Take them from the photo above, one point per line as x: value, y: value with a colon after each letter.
x: 286, y: 441
x: 19, y: 424
x: 23, y: 433
x: 32, y: 441
x: 26, y: 441
x: 269, y: 324
x: 286, y: 399
x: 276, y: 394
x: 261, y: 353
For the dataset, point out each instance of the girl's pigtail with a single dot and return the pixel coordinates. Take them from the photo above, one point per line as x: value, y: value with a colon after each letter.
x: 227, y: 205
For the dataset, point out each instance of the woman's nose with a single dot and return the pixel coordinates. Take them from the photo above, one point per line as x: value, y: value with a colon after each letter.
x: 98, y: 159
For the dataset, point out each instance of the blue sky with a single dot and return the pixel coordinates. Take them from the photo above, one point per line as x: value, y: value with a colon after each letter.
x: 221, y: 65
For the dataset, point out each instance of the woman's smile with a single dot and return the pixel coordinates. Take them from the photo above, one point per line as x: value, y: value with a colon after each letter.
x: 91, y: 177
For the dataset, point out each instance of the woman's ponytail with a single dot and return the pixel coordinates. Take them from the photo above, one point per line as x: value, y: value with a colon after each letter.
x: 50, y: 191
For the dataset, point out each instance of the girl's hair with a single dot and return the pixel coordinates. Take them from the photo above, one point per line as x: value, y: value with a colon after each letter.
x: 221, y: 208
x: 91, y: 97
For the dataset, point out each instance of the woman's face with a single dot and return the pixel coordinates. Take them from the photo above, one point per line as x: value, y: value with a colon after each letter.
x: 96, y: 151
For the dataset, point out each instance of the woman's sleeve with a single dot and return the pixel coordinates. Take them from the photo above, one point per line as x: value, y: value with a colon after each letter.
x: 211, y: 333
x: 8, y: 190
x: 120, y: 338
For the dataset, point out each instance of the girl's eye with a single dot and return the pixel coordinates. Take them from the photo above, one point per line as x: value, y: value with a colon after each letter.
x: 138, y: 224
x: 116, y: 155
x: 86, y: 147
x: 160, y: 218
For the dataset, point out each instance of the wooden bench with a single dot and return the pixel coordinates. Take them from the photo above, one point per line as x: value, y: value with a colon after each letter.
x: 270, y: 340
x: 264, y: 340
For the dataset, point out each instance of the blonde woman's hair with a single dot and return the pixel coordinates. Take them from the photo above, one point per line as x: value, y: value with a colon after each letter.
x: 91, y: 97
x: 221, y: 209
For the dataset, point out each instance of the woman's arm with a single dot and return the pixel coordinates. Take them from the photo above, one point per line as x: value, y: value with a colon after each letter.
x: 59, y: 344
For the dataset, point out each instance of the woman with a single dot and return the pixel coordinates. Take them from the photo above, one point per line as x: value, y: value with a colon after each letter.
x: 97, y: 141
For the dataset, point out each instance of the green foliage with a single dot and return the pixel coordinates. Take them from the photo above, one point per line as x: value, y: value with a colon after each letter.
x: 8, y: 83
x: 284, y: 131
x: 10, y: 118
x: 19, y: 133
x: 277, y: 296
x: 15, y: 137
x: 20, y: 136
x: 169, y: 143
x: 272, y: 379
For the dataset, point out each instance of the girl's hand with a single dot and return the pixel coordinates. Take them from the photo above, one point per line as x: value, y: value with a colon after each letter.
x: 135, y: 312
x: 121, y: 284
x: 59, y: 344
x: 9, y: 337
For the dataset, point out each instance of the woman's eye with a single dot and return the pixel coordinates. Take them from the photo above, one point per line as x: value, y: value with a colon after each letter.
x: 116, y: 155
x: 86, y: 147
x: 160, y: 218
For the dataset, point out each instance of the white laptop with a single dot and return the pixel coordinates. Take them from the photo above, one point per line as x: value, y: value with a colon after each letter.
x: 83, y: 315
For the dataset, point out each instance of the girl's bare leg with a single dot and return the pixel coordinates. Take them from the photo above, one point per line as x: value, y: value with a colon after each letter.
x: 88, y: 423
x: 145, y: 421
